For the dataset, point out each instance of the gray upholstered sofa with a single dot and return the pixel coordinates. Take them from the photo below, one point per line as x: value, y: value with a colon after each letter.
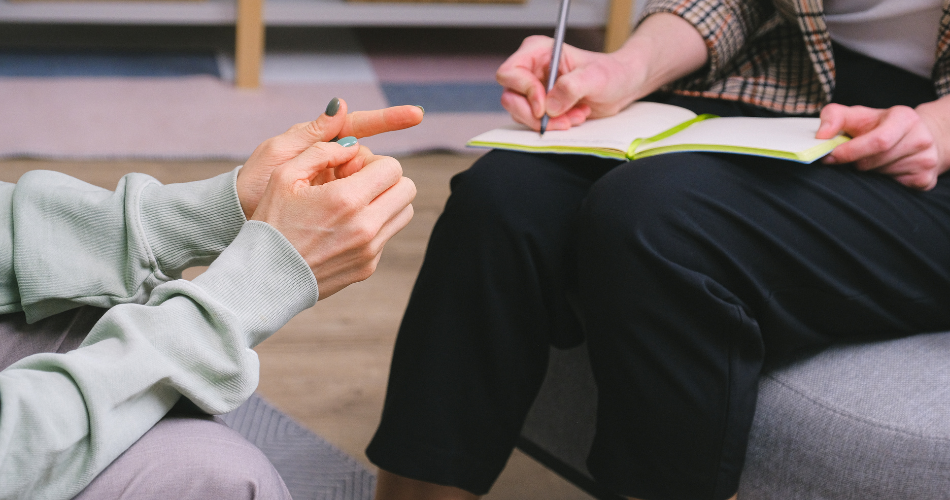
x: 857, y: 422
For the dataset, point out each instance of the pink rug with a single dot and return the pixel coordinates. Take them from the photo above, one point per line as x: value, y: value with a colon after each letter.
x: 166, y: 93
x: 198, y: 117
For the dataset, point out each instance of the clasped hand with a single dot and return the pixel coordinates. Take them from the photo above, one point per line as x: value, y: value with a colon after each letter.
x: 337, y: 204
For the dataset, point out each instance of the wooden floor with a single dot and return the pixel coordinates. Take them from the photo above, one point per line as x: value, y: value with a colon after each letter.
x: 328, y: 367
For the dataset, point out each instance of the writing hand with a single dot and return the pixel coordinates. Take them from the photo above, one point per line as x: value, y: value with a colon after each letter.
x: 589, y: 84
x: 664, y: 48
x: 901, y: 142
x: 254, y: 176
x: 339, y: 227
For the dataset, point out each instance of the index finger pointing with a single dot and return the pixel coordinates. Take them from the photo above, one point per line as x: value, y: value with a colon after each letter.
x: 366, y: 123
x: 303, y: 135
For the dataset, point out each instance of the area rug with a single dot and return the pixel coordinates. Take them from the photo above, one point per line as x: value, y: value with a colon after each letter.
x: 108, y: 104
x: 312, y: 468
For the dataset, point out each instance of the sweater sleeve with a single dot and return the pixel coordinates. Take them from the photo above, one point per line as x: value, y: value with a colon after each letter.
x: 70, y: 243
x: 725, y: 25
x: 65, y: 417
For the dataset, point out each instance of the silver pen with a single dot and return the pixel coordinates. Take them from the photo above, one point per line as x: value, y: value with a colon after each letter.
x: 556, y: 56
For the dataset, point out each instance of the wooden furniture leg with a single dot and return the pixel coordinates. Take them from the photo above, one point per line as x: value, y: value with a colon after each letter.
x: 249, y: 43
x: 618, y: 24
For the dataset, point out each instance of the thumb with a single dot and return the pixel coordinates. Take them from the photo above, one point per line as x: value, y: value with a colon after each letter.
x: 832, y: 121
x: 569, y: 89
x: 852, y: 120
x: 325, y: 128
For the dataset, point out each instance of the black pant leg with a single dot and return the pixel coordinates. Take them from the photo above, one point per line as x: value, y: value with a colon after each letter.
x: 694, y: 270
x: 489, y: 301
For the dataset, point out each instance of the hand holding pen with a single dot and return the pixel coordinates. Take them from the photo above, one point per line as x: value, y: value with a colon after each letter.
x: 595, y: 84
x: 524, y: 75
x: 556, y: 55
x: 586, y: 84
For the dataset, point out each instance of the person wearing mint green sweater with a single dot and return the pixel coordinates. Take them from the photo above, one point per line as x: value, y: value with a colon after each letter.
x: 302, y: 219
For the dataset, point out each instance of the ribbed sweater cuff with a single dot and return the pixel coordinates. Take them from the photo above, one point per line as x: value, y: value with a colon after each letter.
x: 261, y: 278
x: 190, y: 224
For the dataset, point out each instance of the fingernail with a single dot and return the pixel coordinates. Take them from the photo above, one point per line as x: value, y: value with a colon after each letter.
x: 423, y: 109
x: 346, y: 141
x: 830, y: 159
x: 333, y: 107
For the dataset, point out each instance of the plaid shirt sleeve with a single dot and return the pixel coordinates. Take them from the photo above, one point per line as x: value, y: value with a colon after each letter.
x: 941, y: 74
x: 757, y: 54
x: 725, y: 25
x: 775, y: 54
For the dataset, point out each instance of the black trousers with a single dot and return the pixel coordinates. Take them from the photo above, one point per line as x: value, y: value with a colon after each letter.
x: 687, y: 273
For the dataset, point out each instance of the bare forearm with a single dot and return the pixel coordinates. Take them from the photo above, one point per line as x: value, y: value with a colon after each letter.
x: 663, y: 49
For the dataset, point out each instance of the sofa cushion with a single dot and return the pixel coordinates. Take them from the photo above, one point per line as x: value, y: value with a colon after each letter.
x: 862, y: 421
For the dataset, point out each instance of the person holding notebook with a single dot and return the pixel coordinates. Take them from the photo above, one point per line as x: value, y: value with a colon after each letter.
x: 686, y: 273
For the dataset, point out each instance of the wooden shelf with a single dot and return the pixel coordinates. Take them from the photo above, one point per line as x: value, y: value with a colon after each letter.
x: 533, y: 13
x: 208, y: 12
x: 255, y: 16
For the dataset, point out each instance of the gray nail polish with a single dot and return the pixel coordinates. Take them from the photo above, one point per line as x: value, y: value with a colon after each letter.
x: 347, y: 141
x: 333, y: 107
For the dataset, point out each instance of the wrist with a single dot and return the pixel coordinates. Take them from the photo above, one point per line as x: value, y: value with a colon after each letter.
x: 632, y: 63
x: 242, y: 190
x: 663, y: 49
x: 936, y: 116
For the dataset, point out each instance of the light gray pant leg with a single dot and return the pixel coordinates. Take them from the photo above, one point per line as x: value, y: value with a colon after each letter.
x: 59, y: 333
x: 189, y: 458
x: 185, y: 456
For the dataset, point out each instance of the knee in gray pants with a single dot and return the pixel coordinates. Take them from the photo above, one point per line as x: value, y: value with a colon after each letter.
x: 189, y: 457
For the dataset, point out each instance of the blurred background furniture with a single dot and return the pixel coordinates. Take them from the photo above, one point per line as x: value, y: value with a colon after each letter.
x: 853, y: 422
x: 251, y: 16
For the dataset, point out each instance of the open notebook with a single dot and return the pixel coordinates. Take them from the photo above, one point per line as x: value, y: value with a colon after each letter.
x: 649, y: 128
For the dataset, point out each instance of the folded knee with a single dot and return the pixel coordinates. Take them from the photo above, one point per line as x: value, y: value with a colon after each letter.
x: 189, y: 458
x: 649, y: 198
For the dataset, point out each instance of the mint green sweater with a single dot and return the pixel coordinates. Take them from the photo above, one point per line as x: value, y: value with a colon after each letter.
x: 65, y: 243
